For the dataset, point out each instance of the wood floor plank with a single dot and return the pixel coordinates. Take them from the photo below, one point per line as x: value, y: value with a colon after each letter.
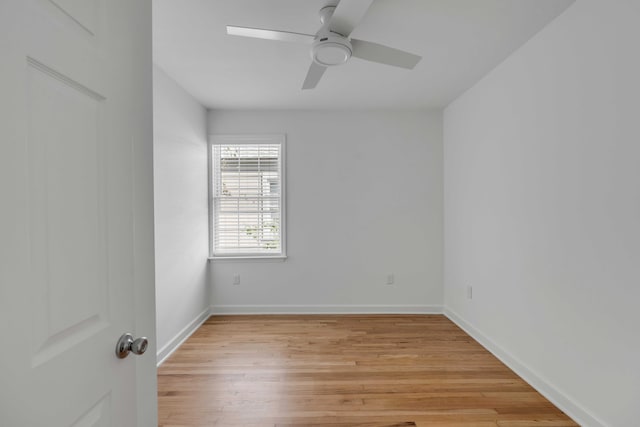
x: 343, y: 371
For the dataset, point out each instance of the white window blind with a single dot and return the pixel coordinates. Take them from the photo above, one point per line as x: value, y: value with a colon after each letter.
x: 247, y: 197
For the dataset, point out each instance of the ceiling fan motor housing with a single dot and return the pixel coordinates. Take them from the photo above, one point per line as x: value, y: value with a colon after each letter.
x: 331, y: 49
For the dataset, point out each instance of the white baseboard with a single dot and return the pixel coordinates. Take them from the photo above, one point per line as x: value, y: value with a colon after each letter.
x: 326, y: 309
x: 541, y: 384
x: 181, y: 336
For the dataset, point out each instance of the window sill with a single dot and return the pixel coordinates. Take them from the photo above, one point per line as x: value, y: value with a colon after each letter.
x: 249, y: 258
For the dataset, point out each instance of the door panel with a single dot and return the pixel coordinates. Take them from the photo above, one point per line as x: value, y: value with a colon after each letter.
x: 67, y: 234
x: 84, y: 13
x: 76, y: 252
x: 99, y: 415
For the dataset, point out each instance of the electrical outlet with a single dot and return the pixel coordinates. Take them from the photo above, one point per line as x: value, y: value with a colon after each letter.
x: 390, y: 279
x: 236, y: 279
x: 470, y: 292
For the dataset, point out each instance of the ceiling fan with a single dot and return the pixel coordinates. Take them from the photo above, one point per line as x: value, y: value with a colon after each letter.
x: 331, y: 45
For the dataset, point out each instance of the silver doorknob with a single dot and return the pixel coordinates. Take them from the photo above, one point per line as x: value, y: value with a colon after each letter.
x: 126, y: 344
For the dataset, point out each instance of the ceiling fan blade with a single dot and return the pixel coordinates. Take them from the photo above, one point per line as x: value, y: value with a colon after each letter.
x: 383, y: 54
x: 261, y: 33
x: 348, y: 15
x: 313, y: 76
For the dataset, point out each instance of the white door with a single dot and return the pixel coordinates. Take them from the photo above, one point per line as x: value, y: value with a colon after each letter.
x: 76, y: 213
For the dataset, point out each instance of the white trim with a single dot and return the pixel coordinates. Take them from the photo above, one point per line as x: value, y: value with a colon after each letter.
x: 326, y: 309
x: 545, y: 387
x: 182, y: 336
x: 268, y: 138
x: 210, y: 195
x: 280, y: 258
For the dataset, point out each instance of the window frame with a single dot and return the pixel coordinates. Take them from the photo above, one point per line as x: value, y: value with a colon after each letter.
x: 237, y: 139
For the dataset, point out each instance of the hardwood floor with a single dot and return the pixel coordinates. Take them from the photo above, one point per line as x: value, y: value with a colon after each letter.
x: 343, y: 371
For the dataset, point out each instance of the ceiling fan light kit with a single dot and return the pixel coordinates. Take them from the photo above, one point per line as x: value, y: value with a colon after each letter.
x: 331, y: 50
x: 331, y: 45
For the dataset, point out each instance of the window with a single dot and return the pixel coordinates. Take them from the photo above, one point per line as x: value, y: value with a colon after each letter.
x: 247, y: 196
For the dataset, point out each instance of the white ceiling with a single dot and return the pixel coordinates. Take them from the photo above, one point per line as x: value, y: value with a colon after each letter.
x: 459, y: 40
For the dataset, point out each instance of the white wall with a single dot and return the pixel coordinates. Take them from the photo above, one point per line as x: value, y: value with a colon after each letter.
x: 364, y: 199
x: 542, y: 208
x: 181, y: 230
